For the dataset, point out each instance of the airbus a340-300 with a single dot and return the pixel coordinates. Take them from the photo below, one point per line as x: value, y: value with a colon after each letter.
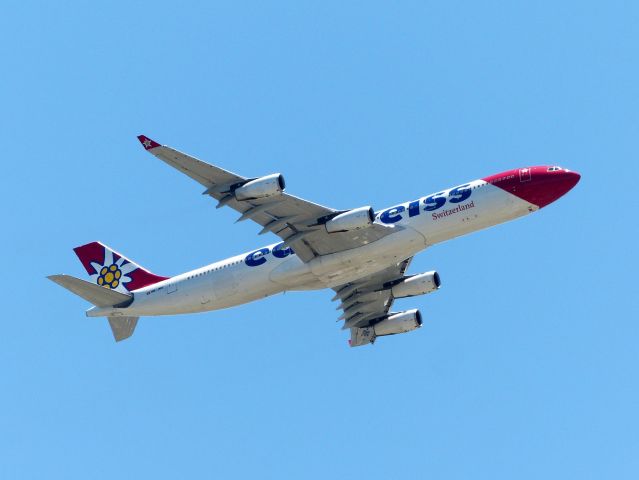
x: 361, y: 254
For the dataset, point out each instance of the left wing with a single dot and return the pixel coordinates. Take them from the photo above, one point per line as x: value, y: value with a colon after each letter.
x: 298, y: 222
x: 367, y: 302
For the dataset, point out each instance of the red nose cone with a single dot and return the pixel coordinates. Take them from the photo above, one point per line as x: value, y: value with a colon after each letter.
x: 537, y: 185
x: 554, y: 185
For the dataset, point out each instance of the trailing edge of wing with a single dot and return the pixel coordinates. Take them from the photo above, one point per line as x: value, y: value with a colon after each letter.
x: 365, y: 301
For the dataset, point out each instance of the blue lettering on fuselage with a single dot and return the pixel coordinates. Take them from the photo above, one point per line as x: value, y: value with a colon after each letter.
x: 430, y: 203
x: 390, y: 215
x: 280, y: 252
x: 434, y: 202
x: 459, y: 194
x: 258, y: 257
x: 413, y: 208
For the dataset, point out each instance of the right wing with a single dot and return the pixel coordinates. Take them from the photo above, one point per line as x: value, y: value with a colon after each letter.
x: 294, y: 220
x: 367, y: 301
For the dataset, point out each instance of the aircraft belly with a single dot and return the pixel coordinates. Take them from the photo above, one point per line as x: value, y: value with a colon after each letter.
x: 242, y: 286
x: 293, y: 274
x: 210, y: 292
x: 342, y: 267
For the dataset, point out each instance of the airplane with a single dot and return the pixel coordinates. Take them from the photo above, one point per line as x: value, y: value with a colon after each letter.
x: 361, y: 254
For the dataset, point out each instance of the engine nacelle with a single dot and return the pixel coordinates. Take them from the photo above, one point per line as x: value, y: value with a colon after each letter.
x: 417, y: 285
x: 355, y: 219
x: 263, y: 187
x: 399, y: 323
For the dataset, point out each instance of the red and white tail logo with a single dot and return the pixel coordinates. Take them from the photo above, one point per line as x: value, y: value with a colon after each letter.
x: 109, y: 269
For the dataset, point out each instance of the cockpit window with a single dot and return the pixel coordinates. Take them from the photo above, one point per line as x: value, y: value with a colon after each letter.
x: 553, y: 169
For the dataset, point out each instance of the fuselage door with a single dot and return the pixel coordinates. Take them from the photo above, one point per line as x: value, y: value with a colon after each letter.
x: 524, y: 175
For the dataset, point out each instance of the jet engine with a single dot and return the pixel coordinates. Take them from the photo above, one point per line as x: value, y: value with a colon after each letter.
x: 416, y: 285
x: 355, y: 219
x: 401, y: 322
x: 263, y: 187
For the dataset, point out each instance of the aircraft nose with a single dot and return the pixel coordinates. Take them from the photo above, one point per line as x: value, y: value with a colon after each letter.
x: 539, y: 185
x: 555, y: 184
x: 572, y: 178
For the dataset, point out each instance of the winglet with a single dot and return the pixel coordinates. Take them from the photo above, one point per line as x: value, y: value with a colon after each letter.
x: 147, y: 143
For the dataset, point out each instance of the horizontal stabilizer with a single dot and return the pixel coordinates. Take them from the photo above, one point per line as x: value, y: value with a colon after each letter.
x: 122, y: 327
x: 98, y: 296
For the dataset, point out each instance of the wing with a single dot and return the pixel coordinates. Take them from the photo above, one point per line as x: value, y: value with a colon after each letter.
x: 296, y: 221
x: 367, y: 301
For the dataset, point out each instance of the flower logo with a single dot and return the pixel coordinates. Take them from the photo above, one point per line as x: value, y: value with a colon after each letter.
x: 113, y: 273
x: 110, y: 276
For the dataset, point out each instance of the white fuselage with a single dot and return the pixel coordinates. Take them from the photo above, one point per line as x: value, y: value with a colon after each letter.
x: 416, y: 225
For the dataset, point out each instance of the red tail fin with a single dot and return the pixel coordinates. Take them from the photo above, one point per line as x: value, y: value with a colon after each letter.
x: 110, y: 269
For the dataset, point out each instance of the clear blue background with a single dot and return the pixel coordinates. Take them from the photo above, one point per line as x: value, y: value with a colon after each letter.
x: 526, y: 366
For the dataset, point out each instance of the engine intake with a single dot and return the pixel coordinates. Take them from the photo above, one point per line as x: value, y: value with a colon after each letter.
x: 355, y: 219
x: 420, y: 284
x: 401, y: 322
x: 263, y: 187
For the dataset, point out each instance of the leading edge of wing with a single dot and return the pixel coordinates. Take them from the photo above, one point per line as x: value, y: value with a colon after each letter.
x: 291, y: 218
x: 202, y: 172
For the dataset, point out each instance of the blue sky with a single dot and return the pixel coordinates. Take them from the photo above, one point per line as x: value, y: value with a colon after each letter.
x: 526, y: 366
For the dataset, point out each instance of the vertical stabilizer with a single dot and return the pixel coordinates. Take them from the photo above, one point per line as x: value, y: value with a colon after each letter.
x: 110, y: 269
